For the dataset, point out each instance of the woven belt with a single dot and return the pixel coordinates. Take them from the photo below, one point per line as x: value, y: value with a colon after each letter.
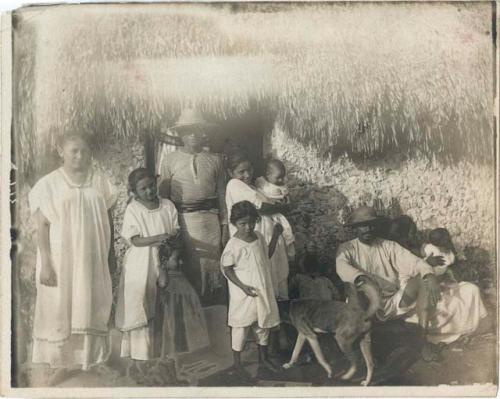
x: 204, y: 205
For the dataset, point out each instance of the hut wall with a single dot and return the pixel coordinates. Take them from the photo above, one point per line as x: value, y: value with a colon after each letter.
x: 459, y: 197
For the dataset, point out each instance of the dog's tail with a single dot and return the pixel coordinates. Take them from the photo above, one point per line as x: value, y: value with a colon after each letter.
x: 371, y: 294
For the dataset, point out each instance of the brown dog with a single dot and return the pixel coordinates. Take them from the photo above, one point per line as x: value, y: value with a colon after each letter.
x: 348, y: 321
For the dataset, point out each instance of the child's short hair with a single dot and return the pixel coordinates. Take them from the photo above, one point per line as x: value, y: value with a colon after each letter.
x: 236, y: 158
x: 277, y: 164
x: 440, y: 237
x: 137, y: 175
x: 166, y: 251
x: 243, y: 209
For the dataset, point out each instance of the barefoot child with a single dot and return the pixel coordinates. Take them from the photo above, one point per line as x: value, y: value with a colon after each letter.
x: 245, y: 263
x: 184, y: 328
x: 72, y: 209
x: 272, y: 187
x: 148, y: 223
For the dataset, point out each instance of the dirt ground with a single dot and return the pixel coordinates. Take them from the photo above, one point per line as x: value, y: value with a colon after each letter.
x: 395, y: 347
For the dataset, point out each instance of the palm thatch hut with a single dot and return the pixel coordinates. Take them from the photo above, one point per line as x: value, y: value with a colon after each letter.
x: 363, y: 101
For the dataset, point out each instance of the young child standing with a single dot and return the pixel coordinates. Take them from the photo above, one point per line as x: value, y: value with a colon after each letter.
x: 272, y: 187
x: 183, y: 327
x: 245, y: 263
x: 148, y: 223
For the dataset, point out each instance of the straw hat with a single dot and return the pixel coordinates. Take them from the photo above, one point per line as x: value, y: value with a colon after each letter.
x: 189, y: 118
x: 364, y: 215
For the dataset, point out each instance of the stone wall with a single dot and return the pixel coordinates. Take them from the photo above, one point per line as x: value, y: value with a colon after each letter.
x: 459, y: 197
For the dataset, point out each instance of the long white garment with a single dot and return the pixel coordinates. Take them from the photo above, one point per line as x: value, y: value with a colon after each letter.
x: 137, y: 294
x: 71, y: 319
x: 252, y: 267
x: 237, y: 191
x: 457, y: 313
x: 137, y: 291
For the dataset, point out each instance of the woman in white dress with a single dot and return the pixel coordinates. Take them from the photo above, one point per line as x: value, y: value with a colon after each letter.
x: 148, y: 223
x: 72, y: 209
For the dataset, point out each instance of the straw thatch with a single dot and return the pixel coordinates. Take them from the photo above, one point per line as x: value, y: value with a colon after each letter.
x: 362, y: 78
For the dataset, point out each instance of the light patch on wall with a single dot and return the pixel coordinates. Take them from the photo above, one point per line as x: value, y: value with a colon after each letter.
x: 200, y: 77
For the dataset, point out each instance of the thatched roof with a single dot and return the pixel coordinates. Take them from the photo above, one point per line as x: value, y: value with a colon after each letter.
x: 364, y: 78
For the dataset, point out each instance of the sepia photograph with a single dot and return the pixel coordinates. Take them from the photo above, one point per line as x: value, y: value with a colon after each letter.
x: 293, y: 197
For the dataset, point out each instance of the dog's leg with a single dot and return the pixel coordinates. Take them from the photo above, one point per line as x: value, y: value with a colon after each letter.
x: 345, y: 346
x: 299, y: 343
x: 366, y: 350
x: 319, y: 355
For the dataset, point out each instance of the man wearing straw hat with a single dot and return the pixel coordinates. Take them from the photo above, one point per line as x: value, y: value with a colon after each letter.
x: 194, y: 180
x: 405, y: 281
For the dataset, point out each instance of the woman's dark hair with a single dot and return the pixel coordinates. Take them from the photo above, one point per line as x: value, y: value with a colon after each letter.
x: 243, y: 209
x: 236, y: 158
x: 137, y: 175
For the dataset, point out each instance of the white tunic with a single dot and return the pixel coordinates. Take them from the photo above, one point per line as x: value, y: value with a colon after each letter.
x: 77, y: 310
x: 252, y: 267
x: 137, y: 293
x: 237, y: 191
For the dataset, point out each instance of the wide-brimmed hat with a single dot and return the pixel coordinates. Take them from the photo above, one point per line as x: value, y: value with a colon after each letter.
x: 364, y: 215
x: 189, y: 118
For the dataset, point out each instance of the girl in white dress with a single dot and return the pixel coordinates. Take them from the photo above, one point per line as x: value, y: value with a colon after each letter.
x: 462, y: 300
x: 245, y: 263
x: 148, y: 223
x: 72, y: 209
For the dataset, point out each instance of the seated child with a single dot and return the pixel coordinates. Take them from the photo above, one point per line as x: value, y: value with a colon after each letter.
x: 183, y: 327
x: 246, y: 265
x: 462, y: 301
x: 272, y: 187
x: 440, y: 246
x: 311, y: 283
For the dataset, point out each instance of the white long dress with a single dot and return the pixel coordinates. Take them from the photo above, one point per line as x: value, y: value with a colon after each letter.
x: 137, y: 290
x: 252, y: 267
x: 71, y: 319
x: 460, y: 308
x: 237, y: 191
